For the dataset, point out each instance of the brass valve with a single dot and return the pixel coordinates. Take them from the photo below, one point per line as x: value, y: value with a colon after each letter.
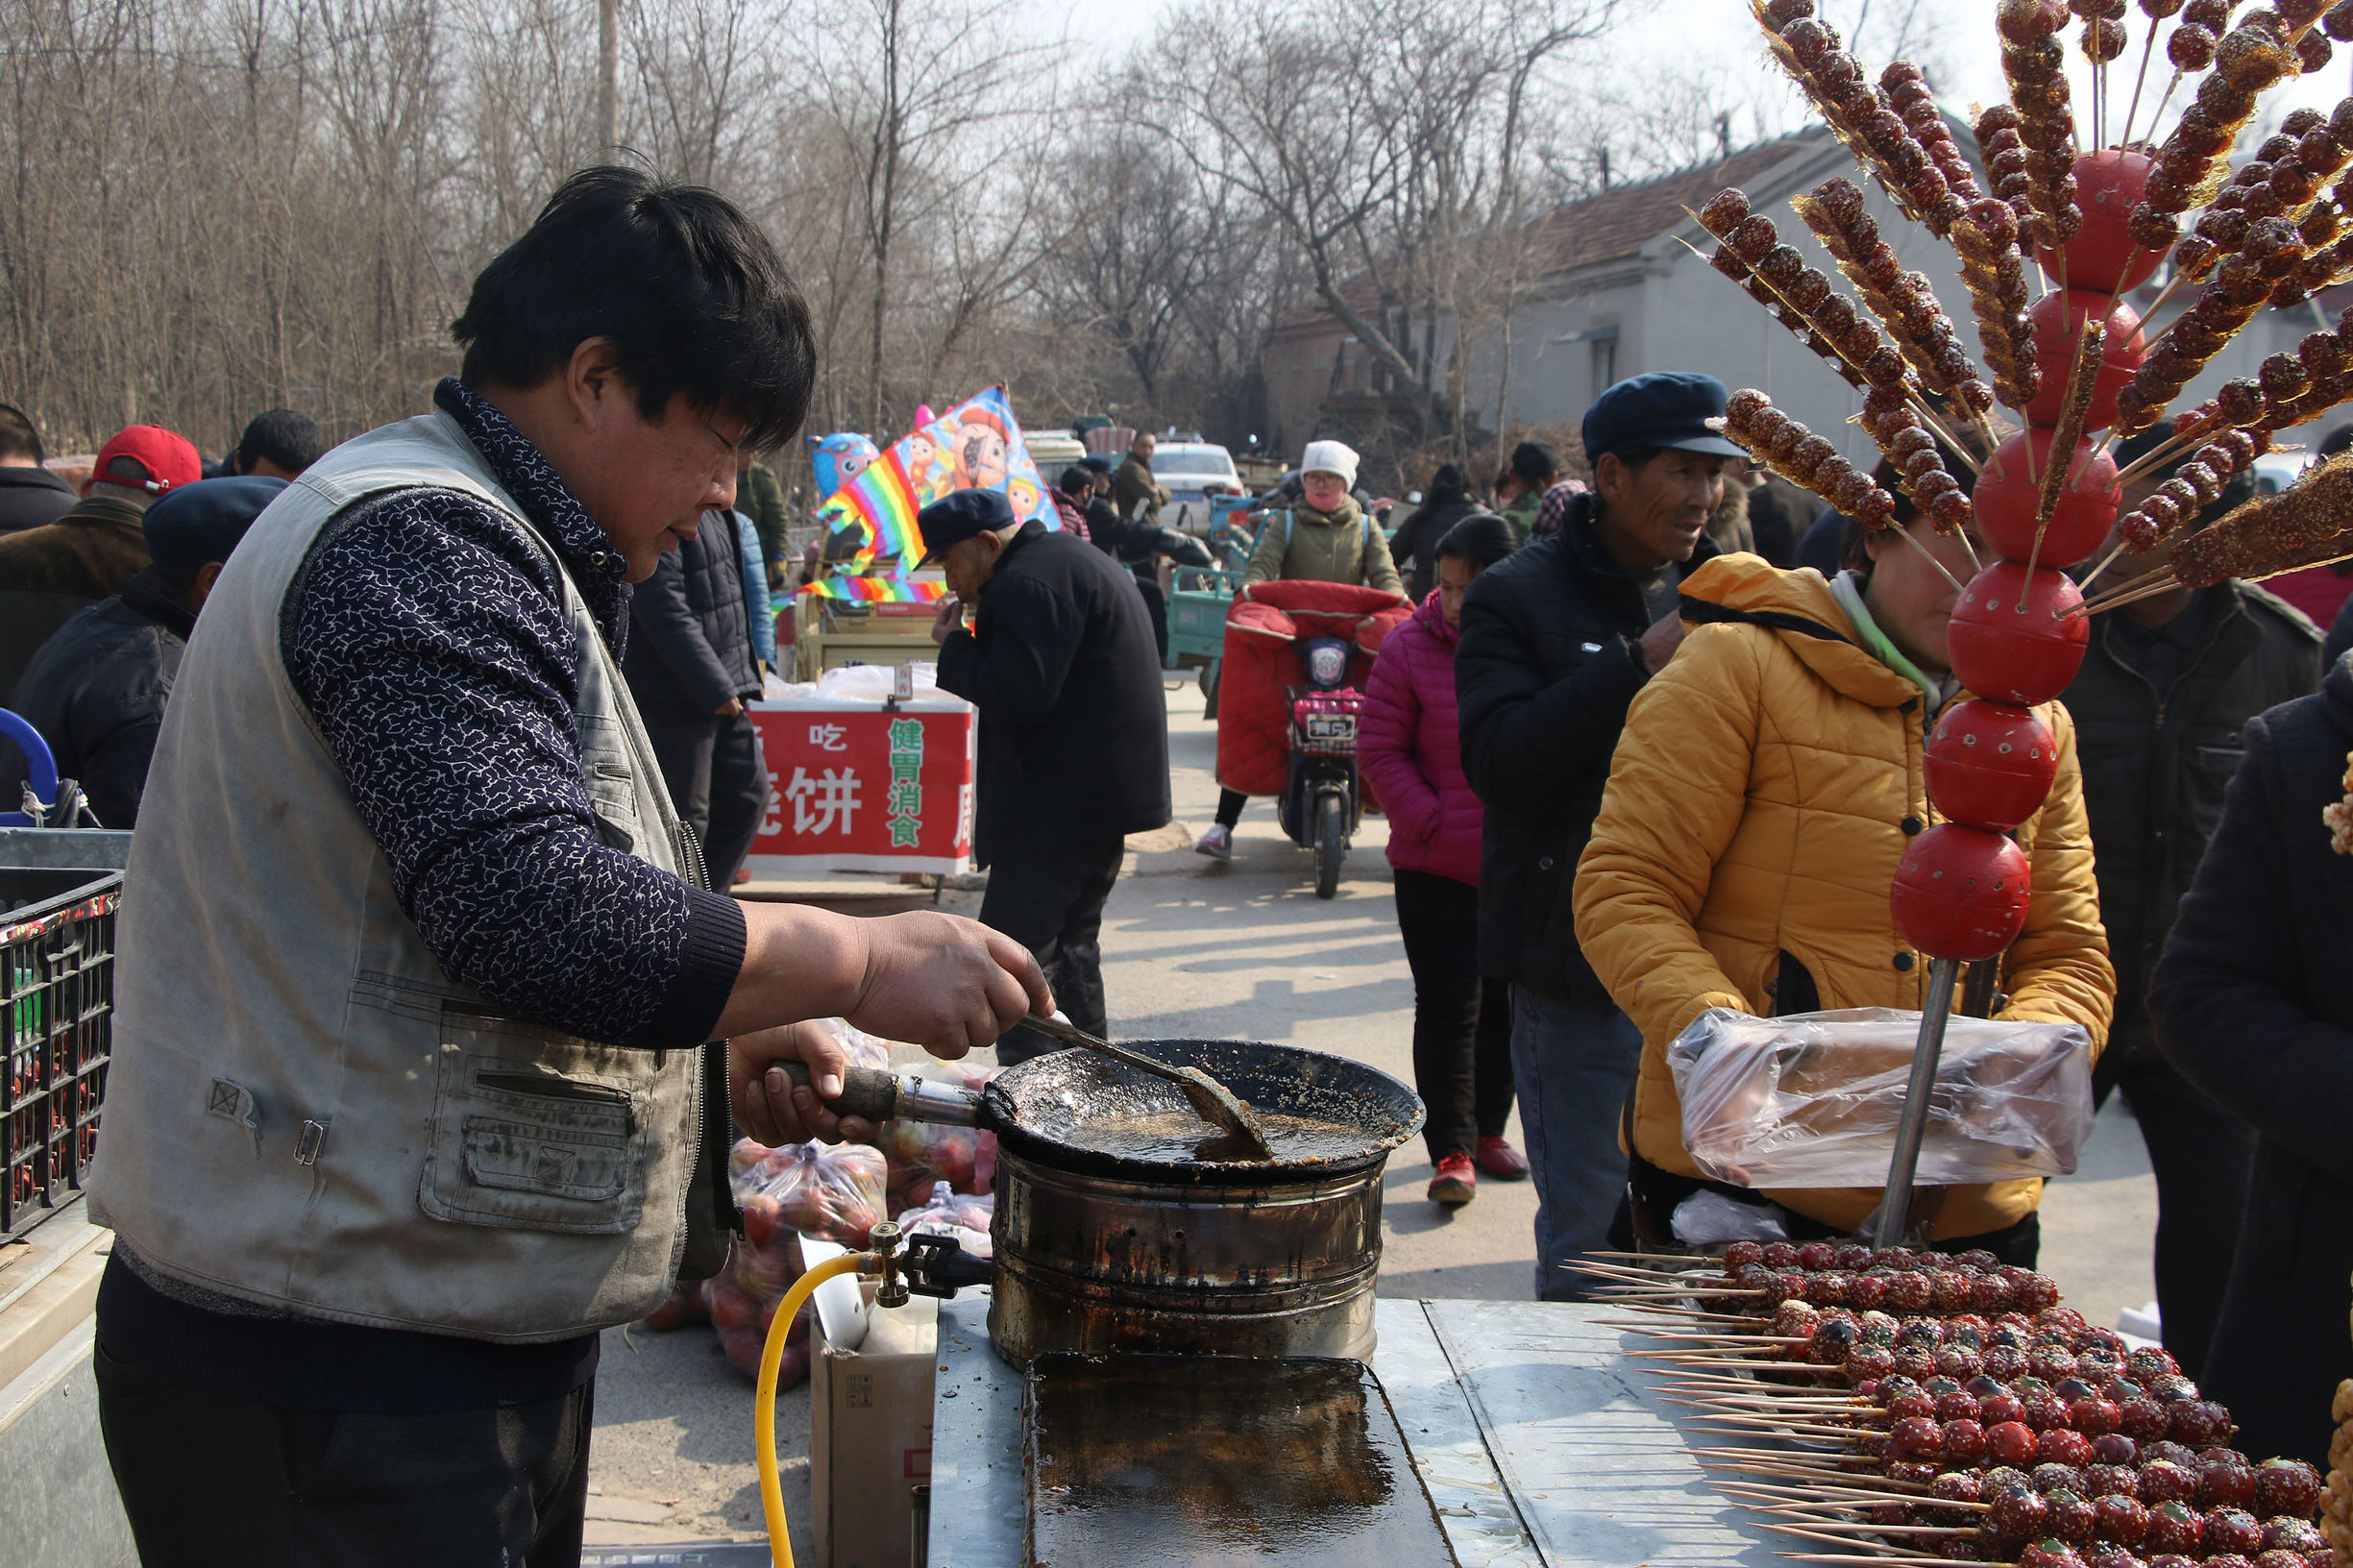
x: 883, y: 1264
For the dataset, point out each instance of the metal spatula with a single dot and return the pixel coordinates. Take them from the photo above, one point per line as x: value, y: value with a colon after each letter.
x: 1211, y: 1100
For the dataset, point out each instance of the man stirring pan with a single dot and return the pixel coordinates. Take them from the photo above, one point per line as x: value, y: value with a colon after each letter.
x: 409, y: 1094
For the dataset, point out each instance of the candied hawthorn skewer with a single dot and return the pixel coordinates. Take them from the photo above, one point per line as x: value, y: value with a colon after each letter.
x: 1905, y: 301
x: 2309, y: 522
x: 2250, y: 58
x: 2034, y: 62
x: 2156, y: 10
x: 1885, y: 136
x: 1799, y: 296
x: 1909, y: 442
x: 1803, y: 458
x: 1994, y: 271
x: 2305, y: 524
x: 2240, y: 288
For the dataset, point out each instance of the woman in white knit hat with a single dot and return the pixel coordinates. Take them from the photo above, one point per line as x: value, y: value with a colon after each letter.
x: 1324, y: 536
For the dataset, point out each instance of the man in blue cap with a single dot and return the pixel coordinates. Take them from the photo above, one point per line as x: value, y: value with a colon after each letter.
x: 96, y: 689
x: 1074, y: 731
x: 1557, y: 639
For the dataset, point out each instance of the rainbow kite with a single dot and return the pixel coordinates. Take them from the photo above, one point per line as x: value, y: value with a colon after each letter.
x: 975, y: 445
x: 892, y: 590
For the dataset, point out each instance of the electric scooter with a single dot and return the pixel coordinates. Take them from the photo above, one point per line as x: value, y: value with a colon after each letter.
x: 1321, y: 803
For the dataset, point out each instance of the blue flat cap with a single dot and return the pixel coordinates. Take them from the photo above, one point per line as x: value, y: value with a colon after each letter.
x: 1664, y: 409
x: 958, y: 515
x: 203, y: 522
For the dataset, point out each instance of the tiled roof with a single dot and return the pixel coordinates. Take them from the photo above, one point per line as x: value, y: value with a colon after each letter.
x: 1621, y: 220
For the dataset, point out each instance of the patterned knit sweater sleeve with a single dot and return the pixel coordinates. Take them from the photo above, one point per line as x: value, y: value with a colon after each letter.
x: 429, y: 640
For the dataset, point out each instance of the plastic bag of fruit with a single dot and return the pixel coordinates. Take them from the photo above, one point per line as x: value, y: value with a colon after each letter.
x: 835, y: 1191
x: 921, y: 1153
x: 961, y: 1216
x: 865, y: 1050
x: 741, y: 1301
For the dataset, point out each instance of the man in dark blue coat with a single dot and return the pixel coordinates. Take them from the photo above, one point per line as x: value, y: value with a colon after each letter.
x: 1074, y: 731
x: 2254, y: 1004
x: 689, y: 664
x: 96, y: 689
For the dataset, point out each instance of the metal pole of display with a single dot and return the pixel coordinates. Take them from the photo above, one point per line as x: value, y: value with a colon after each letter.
x: 1896, y: 1207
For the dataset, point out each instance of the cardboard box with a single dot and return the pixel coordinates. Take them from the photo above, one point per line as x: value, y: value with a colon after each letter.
x: 869, y: 1436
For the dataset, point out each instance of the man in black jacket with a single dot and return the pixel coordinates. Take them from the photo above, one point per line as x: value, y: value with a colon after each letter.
x: 689, y: 664
x: 30, y: 494
x: 1557, y: 639
x: 1073, y: 732
x: 96, y: 689
x: 2254, y: 1003
x: 2164, y: 690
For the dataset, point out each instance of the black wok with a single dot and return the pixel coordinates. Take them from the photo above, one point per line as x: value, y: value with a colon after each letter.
x: 1056, y: 1109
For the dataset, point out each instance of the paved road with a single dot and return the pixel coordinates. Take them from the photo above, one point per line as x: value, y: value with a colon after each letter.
x: 1243, y: 949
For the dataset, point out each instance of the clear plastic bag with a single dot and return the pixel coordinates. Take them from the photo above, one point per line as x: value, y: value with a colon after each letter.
x: 921, y: 1153
x: 962, y: 1218
x: 829, y: 1190
x: 865, y: 1050
x: 1813, y: 1099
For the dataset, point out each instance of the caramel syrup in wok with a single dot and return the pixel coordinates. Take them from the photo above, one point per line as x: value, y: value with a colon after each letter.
x: 1183, y: 1138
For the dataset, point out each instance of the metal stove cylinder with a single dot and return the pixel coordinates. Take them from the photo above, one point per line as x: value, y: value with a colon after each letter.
x: 1271, y: 1268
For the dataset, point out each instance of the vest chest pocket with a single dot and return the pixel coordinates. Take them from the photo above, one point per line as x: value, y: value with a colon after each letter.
x: 612, y: 783
x: 535, y: 1130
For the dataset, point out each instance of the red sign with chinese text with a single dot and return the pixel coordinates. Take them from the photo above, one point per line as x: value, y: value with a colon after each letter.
x: 853, y: 787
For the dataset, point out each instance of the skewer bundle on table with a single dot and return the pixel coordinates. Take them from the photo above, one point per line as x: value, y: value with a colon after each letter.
x: 1934, y: 1408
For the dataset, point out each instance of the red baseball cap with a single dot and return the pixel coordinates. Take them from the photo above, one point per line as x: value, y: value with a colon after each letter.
x: 169, y: 458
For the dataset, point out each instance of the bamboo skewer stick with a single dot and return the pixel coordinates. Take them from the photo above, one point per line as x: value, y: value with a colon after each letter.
x: 2090, y: 347
x: 1905, y: 534
x: 2149, y: 46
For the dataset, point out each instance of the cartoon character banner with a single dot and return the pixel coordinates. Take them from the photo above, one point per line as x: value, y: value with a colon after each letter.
x: 975, y: 445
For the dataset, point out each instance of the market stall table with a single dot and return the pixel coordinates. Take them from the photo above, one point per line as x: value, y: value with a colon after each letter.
x: 1537, y: 1439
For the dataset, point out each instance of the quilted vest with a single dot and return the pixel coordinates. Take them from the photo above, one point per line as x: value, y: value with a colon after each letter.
x: 303, y: 1111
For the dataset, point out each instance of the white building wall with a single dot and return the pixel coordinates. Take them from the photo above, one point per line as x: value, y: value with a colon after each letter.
x: 1673, y: 312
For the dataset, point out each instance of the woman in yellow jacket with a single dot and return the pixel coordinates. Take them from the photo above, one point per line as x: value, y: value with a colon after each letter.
x: 1766, y: 787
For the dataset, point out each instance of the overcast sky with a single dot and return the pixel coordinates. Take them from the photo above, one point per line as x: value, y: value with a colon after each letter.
x: 1717, y: 41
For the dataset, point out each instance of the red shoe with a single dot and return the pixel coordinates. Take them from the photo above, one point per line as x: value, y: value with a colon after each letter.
x: 1455, y: 1182
x: 1501, y: 1160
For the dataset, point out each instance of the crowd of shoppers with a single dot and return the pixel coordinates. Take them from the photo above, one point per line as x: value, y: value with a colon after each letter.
x: 1648, y: 744
x: 1410, y: 750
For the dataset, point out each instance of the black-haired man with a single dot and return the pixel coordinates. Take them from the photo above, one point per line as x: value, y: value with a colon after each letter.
x: 97, y: 689
x: 1519, y: 490
x: 1557, y: 639
x: 278, y: 444
x: 30, y: 494
x: 409, y: 1094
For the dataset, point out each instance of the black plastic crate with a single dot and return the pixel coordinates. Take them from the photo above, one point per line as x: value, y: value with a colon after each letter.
x: 57, y: 1002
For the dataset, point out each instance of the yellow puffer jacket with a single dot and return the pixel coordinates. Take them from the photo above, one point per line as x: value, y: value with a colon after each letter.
x: 1758, y: 805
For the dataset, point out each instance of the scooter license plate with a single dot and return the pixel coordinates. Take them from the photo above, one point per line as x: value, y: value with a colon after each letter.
x: 1330, y: 728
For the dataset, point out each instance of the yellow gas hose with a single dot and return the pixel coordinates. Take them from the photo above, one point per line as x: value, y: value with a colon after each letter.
x: 764, y: 1397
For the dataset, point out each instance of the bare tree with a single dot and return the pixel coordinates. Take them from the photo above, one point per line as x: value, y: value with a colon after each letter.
x: 919, y: 91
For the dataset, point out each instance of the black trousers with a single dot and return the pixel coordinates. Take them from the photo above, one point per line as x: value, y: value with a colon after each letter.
x: 717, y: 782
x: 1052, y: 904
x: 1461, y: 1021
x: 1156, y: 605
x: 208, y: 1477
x: 2201, y: 1156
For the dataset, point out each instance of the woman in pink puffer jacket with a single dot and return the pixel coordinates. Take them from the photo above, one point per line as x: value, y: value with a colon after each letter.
x: 1408, y: 747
